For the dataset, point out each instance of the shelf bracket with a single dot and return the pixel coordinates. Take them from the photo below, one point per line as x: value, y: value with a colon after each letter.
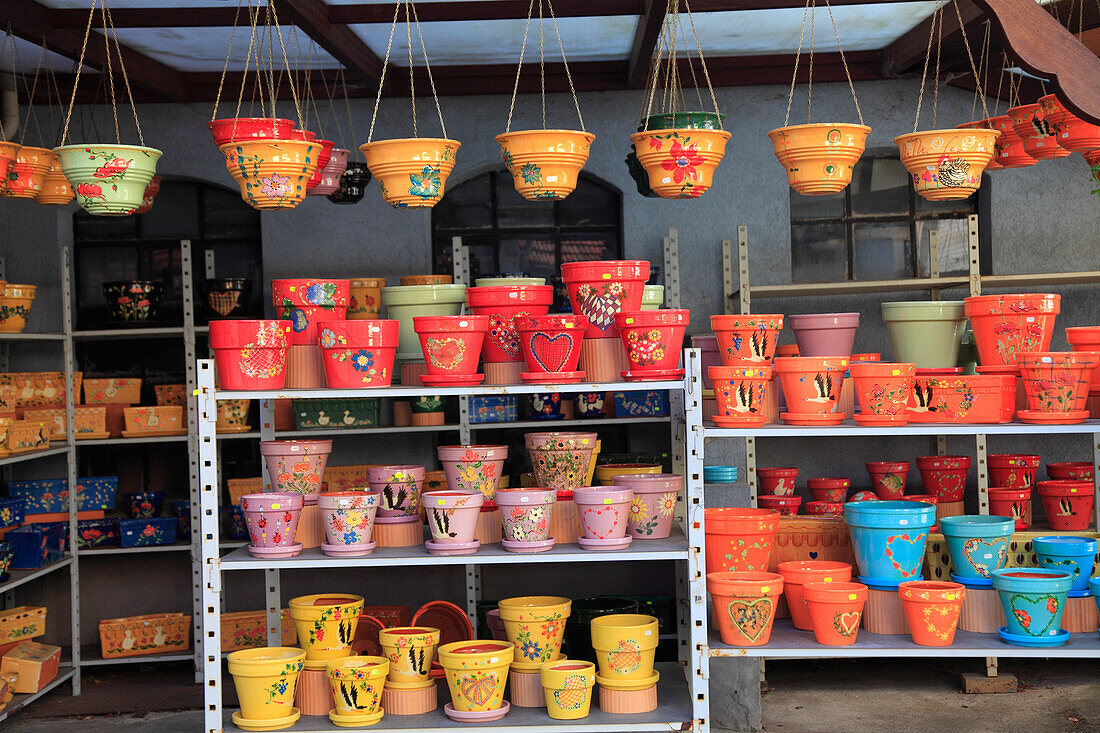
x: 975, y: 259
x: 727, y: 277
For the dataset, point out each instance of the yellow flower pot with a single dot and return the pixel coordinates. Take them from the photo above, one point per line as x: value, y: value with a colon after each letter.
x: 410, y: 650
x: 947, y: 165
x: 15, y: 306
x: 412, y: 172
x: 272, y: 174
x: 365, y: 300
x: 55, y: 188
x: 625, y: 644
x: 545, y: 164
x: 476, y: 673
x: 26, y: 172
x: 326, y: 623
x: 819, y: 158
x: 536, y: 625
x: 592, y: 463
x: 607, y: 470
x: 680, y: 163
x: 265, y: 680
x: 357, y: 684
x: 568, y: 685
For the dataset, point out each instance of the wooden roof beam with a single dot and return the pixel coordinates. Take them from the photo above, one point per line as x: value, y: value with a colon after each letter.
x: 338, y: 39
x: 645, y: 42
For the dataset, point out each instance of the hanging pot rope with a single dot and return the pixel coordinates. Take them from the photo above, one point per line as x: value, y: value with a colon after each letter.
x: 667, y: 61
x: 225, y: 67
x: 970, y: 56
x: 542, y: 66
x: 983, y: 68
x: 30, y: 101
x: 936, y: 14
x: 810, y: 14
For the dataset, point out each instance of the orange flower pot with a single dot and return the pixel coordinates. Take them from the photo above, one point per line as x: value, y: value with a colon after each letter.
x: 932, y: 609
x: 412, y: 172
x: 946, y: 165
x: 744, y: 605
x: 1013, y: 470
x: 835, y: 611
x: 26, y: 173
x: 680, y: 162
x: 272, y: 174
x: 819, y: 158
x: 1057, y: 384
x: 1073, y: 133
x: 811, y: 386
x: 8, y: 151
x: 55, y: 190
x: 746, y: 340
x: 1009, y: 149
x: 983, y: 125
x: 740, y: 392
x: 1005, y: 325
x: 545, y: 164
x: 1086, y: 338
x: 1039, y: 134
x: 797, y: 573
x: 739, y: 539
x: 883, y: 390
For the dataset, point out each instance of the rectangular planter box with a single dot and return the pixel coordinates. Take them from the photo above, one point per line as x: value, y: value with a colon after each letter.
x: 22, y: 623
x: 641, y: 403
x: 34, y: 664
x: 494, y: 408
x: 139, y: 635
x: 91, y: 421
x: 344, y: 478
x: 92, y: 533
x: 36, y: 545
x: 360, y: 412
x: 12, y: 512
x: 35, y: 389
x: 154, y: 419
x: 116, y: 391
x: 44, y: 496
x: 25, y: 436
x: 147, y: 532
x: 248, y: 630
x: 238, y: 487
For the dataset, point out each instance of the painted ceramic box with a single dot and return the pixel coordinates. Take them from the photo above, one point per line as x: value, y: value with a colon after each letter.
x: 146, y: 532
x: 12, y: 511
x: 140, y: 635
x: 335, y: 413
x: 22, y: 622
x: 91, y: 533
x: 248, y: 630
x: 37, y: 545
x: 493, y: 408
x: 45, y: 496
x: 641, y: 404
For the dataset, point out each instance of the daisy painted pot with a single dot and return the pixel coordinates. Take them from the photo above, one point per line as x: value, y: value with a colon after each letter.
x: 599, y: 290
x: 473, y: 468
x: 545, y: 164
x: 1039, y: 134
x: 747, y: 340
x: 819, y: 158
x: 411, y: 172
x: 477, y: 672
x: 536, y: 626
x: 305, y: 302
x: 296, y: 466
x: 348, y: 516
x: 400, y: 487
x: 503, y: 305
x: 653, y: 339
x: 109, y: 180
x: 654, y: 503
x: 1005, y: 325
x: 932, y: 610
x: 250, y: 354
x: 526, y: 514
x: 271, y: 174
x: 451, y: 344
x: 946, y: 165
x: 560, y: 461
x: 358, y: 353
x: 680, y: 162
x: 551, y: 343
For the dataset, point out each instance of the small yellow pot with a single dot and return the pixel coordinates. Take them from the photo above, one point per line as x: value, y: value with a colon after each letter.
x: 357, y: 684
x: 476, y: 673
x: 412, y: 172
x: 366, y: 298
x: 607, y: 470
x: 25, y: 174
x: 55, y: 188
x: 680, y: 163
x: 819, y: 158
x: 536, y: 625
x: 326, y: 623
x: 592, y: 463
x: 410, y: 650
x: 625, y: 644
x: 265, y: 680
x: 568, y: 685
x: 272, y: 174
x: 545, y: 164
x: 15, y: 306
x: 947, y: 165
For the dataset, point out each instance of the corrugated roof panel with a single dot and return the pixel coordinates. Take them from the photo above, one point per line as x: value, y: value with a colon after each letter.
x: 204, y: 49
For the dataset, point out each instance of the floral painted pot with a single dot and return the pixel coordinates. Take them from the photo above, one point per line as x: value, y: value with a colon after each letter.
x: 234, y: 129
x: 653, y: 339
x: 740, y: 392
x: 825, y: 508
x: 473, y: 468
x: 811, y: 384
x: 977, y: 544
x: 326, y: 623
x: 272, y: 520
x: 296, y: 466
x: 889, y: 538
x: 400, y: 487
x: 404, y: 302
x: 1086, y: 338
x: 1073, y: 133
x: 1072, y: 554
x: 819, y: 158
x: 600, y: 290
x: 567, y: 686
x: 326, y: 159
x: 969, y: 399
x: 604, y: 511
x: 132, y: 300
x: 352, y: 182
x: 944, y: 476
x: 357, y: 683
x: 306, y: 302
x: 476, y: 672
x: 1005, y: 325
x: 739, y: 539
x: 411, y: 172
x: 786, y: 505
x: 358, y: 353
x: 348, y: 517
x: 250, y: 355
x: 271, y: 174
x: 109, y: 180
x: 615, y: 473
x: 925, y: 333
x: 27, y: 171
x: 545, y: 164
x: 265, y: 680
x: 983, y: 125
x: 452, y: 516
x: 1068, y: 503
x: 743, y: 605
x: 1009, y: 149
x: 946, y: 165
x: 1014, y: 503
x: 829, y: 489
x: 1070, y: 470
x: 1034, y: 600
x: 680, y: 162
x: 682, y: 120
x: 824, y: 334
x: 503, y: 305
x: 747, y: 340
x: 1013, y: 470
x: 150, y: 195
x: 835, y: 611
x: 932, y: 610
x: 451, y: 344
x: 410, y: 650
x: 536, y: 626
x: 8, y: 152
x: 365, y: 298
x: 625, y: 645
x: 526, y: 515
x: 550, y: 343
x: 15, y: 306
x: 777, y: 481
x: 653, y: 505
x: 1039, y: 134
x: 560, y: 461
x: 144, y: 504
x: 797, y: 573
x: 55, y: 189
x: 1057, y: 382
x: 883, y: 390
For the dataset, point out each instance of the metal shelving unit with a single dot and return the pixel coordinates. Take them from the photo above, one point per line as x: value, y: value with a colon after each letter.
x: 34, y: 455
x: 65, y: 672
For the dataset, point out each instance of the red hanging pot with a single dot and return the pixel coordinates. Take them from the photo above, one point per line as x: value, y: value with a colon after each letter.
x: 235, y: 129
x: 323, y: 157
x: 358, y: 353
x: 1038, y: 133
x: 1073, y: 133
x: 1009, y: 150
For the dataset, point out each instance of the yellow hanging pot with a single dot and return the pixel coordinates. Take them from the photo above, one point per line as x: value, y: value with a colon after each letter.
x: 545, y: 164
x: 947, y: 165
x: 680, y: 163
x: 819, y: 158
x: 412, y: 172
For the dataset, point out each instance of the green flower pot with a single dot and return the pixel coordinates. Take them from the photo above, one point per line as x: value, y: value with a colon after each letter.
x: 925, y: 333
x: 683, y: 120
x: 404, y: 302
x: 109, y: 180
x: 653, y: 297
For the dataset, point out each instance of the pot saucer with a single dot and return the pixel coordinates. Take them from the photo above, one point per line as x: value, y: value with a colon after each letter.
x: 527, y: 547
x: 351, y: 720
x: 616, y: 684
x: 153, y: 433
x: 884, y: 583
x: 94, y: 436
x: 551, y: 377
x: 233, y: 429
x: 476, y: 717
x: 811, y: 419
x: 1079, y: 593
x: 652, y: 375
x: 396, y: 520
x: 972, y: 582
x: 452, y: 548
x: 879, y: 420
x: 1033, y: 641
x: 1035, y: 417
x: 272, y: 724
x: 727, y: 421
x: 357, y: 550
x: 614, y: 543
x: 276, y: 552
x: 451, y: 380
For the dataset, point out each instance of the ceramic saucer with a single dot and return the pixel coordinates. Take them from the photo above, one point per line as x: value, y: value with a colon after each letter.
x: 652, y: 375
x: 476, y: 717
x: 357, y: 550
x: 452, y: 548
x: 451, y: 380
x: 1033, y: 641
x: 615, y: 543
x: 1035, y: 417
x: 272, y: 724
x: 551, y: 377
x: 276, y: 552
x: 813, y: 419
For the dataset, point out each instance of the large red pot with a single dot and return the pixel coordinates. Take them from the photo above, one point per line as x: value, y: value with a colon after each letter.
x: 1038, y: 133
x: 747, y: 340
x: 600, y: 289
x: 1012, y: 470
x: 883, y: 389
x: 944, y: 476
x: 1015, y: 503
x: 1057, y: 382
x: 1073, y: 133
x: 740, y: 392
x: 305, y: 302
x: 358, y: 353
x: 250, y: 354
x: 503, y: 304
x: 1009, y: 150
x: 551, y: 343
x: 1005, y: 325
x: 451, y: 344
x: 1068, y: 504
x: 653, y: 340
x: 1086, y: 338
x: 233, y: 129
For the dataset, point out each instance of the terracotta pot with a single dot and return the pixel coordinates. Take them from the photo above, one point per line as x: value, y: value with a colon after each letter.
x: 1070, y: 470
x: 739, y: 539
x: 404, y: 302
x: 604, y: 511
x: 55, y: 189
x: 272, y: 174
x: 1034, y: 600
x: 560, y: 460
x: 1014, y: 503
x: 452, y: 516
x: 8, y: 151
x: 27, y: 171
x: 819, y: 157
x: 358, y: 353
x: 400, y: 487
x: 250, y: 354
x: 1068, y: 503
x: 989, y: 398
x: 944, y: 476
x: 328, y: 177
x: 348, y: 518
x: 305, y: 302
x: 233, y: 129
x: 888, y: 538
x: 1086, y: 338
x: 296, y: 466
x: 977, y: 544
x: 835, y: 611
x: 824, y: 334
x: 451, y: 344
x: 15, y: 306
x: 785, y: 505
x: 797, y: 573
x: 740, y: 392
x: 1009, y: 149
x: 747, y: 340
x: 680, y: 162
x: 601, y: 289
x: 994, y: 164
x: 743, y: 605
x: 272, y: 520
x: 567, y: 686
x: 526, y: 514
x: 503, y: 305
x: 365, y: 298
x: 1040, y: 135
x: 410, y: 651
x: 352, y: 182
x: 1012, y: 470
x: 265, y: 680
x: 653, y: 339
x: 412, y: 172
x: 777, y: 481
x: 150, y: 195
x: 925, y: 333
x: 1073, y: 133
x: 811, y: 384
x: 536, y: 626
x: 932, y: 610
x: 825, y: 508
x: 1058, y: 381
x: 551, y: 343
x: 477, y: 672
x: 888, y: 478
x: 545, y: 164
x: 326, y: 623
x: 946, y: 165
x: 1005, y: 325
x: 883, y: 389
x: 324, y: 157
x: 654, y: 503
x: 473, y: 468
x: 829, y: 489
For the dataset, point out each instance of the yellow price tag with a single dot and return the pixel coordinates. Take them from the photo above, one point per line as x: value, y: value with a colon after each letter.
x: 851, y: 596
x: 276, y: 506
x: 826, y: 580
x: 629, y: 321
x: 440, y: 502
x: 895, y: 372
x: 764, y: 589
x: 607, y: 501
x: 1073, y: 490
x: 606, y: 276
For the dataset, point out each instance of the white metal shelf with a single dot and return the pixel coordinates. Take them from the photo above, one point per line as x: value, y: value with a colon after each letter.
x: 333, y: 432
x: 477, y: 390
x: 133, y: 441
x: 855, y: 287
x: 31, y: 336
x: 587, y: 423
x: 19, y: 577
x: 90, y: 657
x: 34, y: 455
x: 176, y: 547
x: 101, y: 334
x: 65, y: 672
x: 849, y: 429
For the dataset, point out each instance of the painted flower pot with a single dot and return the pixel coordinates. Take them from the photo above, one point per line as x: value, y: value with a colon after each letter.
x: 550, y: 343
x: 357, y: 683
x: 1072, y: 133
x: 653, y: 340
x: 944, y: 476
x: 932, y: 610
x: 8, y: 151
x: 797, y: 573
x: 560, y: 461
x: 1009, y: 149
x: 747, y: 340
x: 476, y: 672
x: 400, y: 487
x: 352, y: 182
x: 348, y: 517
x: 925, y: 333
x: 994, y: 164
x: 1057, y: 384
x: 681, y: 162
x: 250, y: 355
x: 1005, y: 325
x: 452, y: 516
x: 109, y: 180
x: 305, y: 302
x: 863, y: 496
x: 545, y: 164
x: 739, y: 539
x: 969, y: 399
x: 325, y: 159
x: 740, y: 392
x: 1039, y: 134
x: 785, y: 505
x: 1074, y: 555
x: 946, y: 165
x: 27, y: 171
x: 451, y: 344
x: 1070, y: 470
x: 1068, y: 503
x: 143, y: 504
x: 824, y: 334
x: 599, y: 290
x: 132, y: 300
x: 412, y: 172
x: 536, y: 626
x: 403, y: 302
x: 55, y: 189
x: 503, y: 305
x: 272, y: 520
x: 811, y: 384
x: 15, y: 306
x: 829, y: 489
x: 743, y: 605
x: 410, y: 650
x: 619, y: 473
x: 819, y: 158
x: 567, y: 686
x: 150, y: 195
x: 888, y: 538
x: 1086, y: 338
x: 265, y: 680
x: 604, y: 511
x: 682, y: 120
x: 1034, y: 600
x: 271, y: 174
x: 778, y: 481
x: 296, y: 466
x: 473, y: 468
x: 883, y: 390
x: 365, y: 298
x: 1014, y: 503
x: 1013, y: 470
x: 977, y: 544
x: 835, y: 611
x: 234, y: 129
x: 625, y: 645
x: 517, y: 277
x: 226, y: 297
x: 526, y: 514
x: 326, y: 623
x: 654, y: 503
x: 359, y: 353
x: 825, y: 508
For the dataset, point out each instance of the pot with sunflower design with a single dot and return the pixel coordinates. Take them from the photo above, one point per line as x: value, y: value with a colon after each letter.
x: 545, y: 164
x: 819, y: 157
x: 296, y: 466
x: 452, y: 348
x: 272, y: 520
x: 473, y: 468
x: 680, y: 162
x: 358, y: 354
x: 412, y: 172
x: 653, y: 341
x: 326, y: 623
x: 536, y: 626
x: 947, y: 165
x: 265, y: 680
x: 348, y: 517
x: 109, y: 180
x: 653, y: 505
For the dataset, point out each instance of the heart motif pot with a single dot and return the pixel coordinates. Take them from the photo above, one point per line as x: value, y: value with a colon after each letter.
x: 653, y: 340
x: 452, y: 347
x: 744, y: 605
x: 835, y: 611
x: 599, y: 290
x: 604, y: 511
x: 747, y: 340
x: 977, y: 544
x: 1034, y: 601
x: 503, y: 304
x: 944, y: 476
x: 889, y: 538
x: 1013, y: 470
x: 550, y: 343
x: 250, y: 354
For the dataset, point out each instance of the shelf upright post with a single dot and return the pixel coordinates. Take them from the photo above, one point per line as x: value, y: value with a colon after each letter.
x: 679, y: 448
x: 1096, y: 473
x: 272, y: 582
x: 934, y: 261
x: 189, y: 360
x: 727, y: 277
x: 693, y: 442
x: 746, y: 305
x: 460, y: 257
x: 70, y: 459
x: 210, y: 639
x: 672, y: 269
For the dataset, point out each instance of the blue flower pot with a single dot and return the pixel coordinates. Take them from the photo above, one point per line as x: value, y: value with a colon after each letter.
x: 978, y: 544
x: 1075, y: 555
x: 144, y: 504
x: 1033, y: 600
x: 1094, y: 586
x: 888, y: 538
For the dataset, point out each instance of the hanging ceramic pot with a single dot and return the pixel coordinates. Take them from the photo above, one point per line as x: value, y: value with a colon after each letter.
x: 55, y: 188
x: 946, y: 165
x: 411, y: 172
x: 26, y: 173
x: 150, y: 194
x: 545, y: 164
x: 328, y: 180
x: 680, y: 163
x: 272, y: 174
x: 323, y: 158
x: 236, y: 129
x: 8, y: 151
x: 994, y: 164
x: 819, y: 157
x: 353, y: 180
x: 109, y: 180
x: 1040, y: 135
x: 1009, y: 149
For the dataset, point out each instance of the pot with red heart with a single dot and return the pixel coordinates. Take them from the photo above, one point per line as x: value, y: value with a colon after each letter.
x: 604, y: 513
x: 888, y: 478
x: 653, y: 341
x: 831, y: 489
x: 250, y: 354
x: 978, y: 545
x: 452, y: 519
x: 598, y: 290
x: 305, y: 302
x: 944, y: 476
x: 743, y: 605
x: 503, y: 304
x: 551, y: 347
x: 358, y: 353
x: 452, y: 347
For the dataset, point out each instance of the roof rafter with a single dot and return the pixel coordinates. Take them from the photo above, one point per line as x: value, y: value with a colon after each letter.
x: 336, y: 38
x: 645, y: 42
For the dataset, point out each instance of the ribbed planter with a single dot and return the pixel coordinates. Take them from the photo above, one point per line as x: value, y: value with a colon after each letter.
x: 15, y: 306
x: 739, y: 539
x: 1073, y: 133
x: 600, y: 289
x: 404, y: 302
x: 1074, y: 555
x: 477, y: 672
x: 328, y: 178
x: 324, y: 157
x: 297, y: 466
x: 233, y: 129
x: 348, y: 517
x: 545, y: 164
x: 1057, y: 385
x: 653, y: 297
x: 883, y: 390
x: 1009, y: 149
x: 835, y: 611
x: 1038, y: 134
x: 946, y: 165
x: 811, y: 385
x: 400, y: 487
x: 451, y: 347
x: 358, y: 354
x: 1033, y: 600
x: 526, y: 515
x: 411, y: 172
x: 473, y: 468
x: 271, y: 174
x: 1068, y: 503
x: 654, y: 504
x: 1005, y: 325
x: 265, y: 680
x: 888, y: 478
x: 824, y: 334
x: 503, y: 305
x: 977, y: 544
x: 604, y: 511
x: 889, y: 538
x: 747, y: 340
x: 932, y: 610
x: 744, y: 605
x: 272, y: 520
x: 680, y: 162
x: 819, y: 157
x: 536, y: 625
x: 741, y: 392
x: 797, y: 573
x: 8, y: 153
x: 944, y: 476
x: 560, y: 461
x: 352, y: 183
x: 1014, y: 503
x: 55, y: 189
x: 326, y: 623
x: 653, y: 341
x: 250, y: 355
x: 27, y: 171
x: 625, y: 646
x: 925, y: 333
x: 994, y: 164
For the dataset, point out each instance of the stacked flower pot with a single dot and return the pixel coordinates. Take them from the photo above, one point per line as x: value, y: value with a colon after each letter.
x: 272, y: 162
x: 501, y: 354
x: 599, y: 291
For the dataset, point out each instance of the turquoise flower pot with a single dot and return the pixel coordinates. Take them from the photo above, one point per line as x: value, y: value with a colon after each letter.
x: 1033, y: 600
x: 109, y: 180
x: 888, y: 539
x: 978, y: 544
x: 1074, y: 555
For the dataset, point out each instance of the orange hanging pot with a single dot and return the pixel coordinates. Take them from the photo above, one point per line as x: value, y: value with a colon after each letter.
x: 545, y: 164
x: 1009, y: 150
x: 272, y: 174
x: 994, y: 164
x: 680, y: 162
x: 1037, y: 132
x: 946, y: 165
x: 1073, y: 133
x: 411, y: 172
x: 55, y: 189
x: 819, y: 157
x: 7, y: 160
x: 25, y: 174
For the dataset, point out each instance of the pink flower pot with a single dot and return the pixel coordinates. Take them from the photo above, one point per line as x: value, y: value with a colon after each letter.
x: 599, y: 290
x: 747, y: 340
x: 778, y: 481
x: 452, y: 515
x: 1086, y: 338
x: 825, y: 334
x: 785, y: 505
x: 1005, y: 325
x: 324, y: 157
x: 551, y: 344
x: 604, y: 512
x: 451, y: 346
x: 560, y: 461
x: 1057, y: 382
x: 400, y: 487
x: 1012, y: 470
x: 829, y: 489
x: 653, y: 339
x: 503, y: 304
x: 654, y: 503
x: 526, y: 515
x: 305, y: 302
x: 329, y: 176
x: 473, y: 468
x: 358, y: 353
x: 250, y: 354
x: 708, y: 356
x: 272, y: 520
x: 888, y: 478
x: 348, y: 517
x: 296, y: 466
x: 944, y: 476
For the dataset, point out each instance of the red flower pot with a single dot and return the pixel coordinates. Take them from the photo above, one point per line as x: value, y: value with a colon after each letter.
x: 825, y: 508
x: 835, y: 611
x: 1068, y: 503
x: 811, y: 385
x: 888, y: 478
x: 883, y: 390
x: 1005, y: 325
x: 1056, y: 382
x: 863, y: 496
x: 747, y: 340
x: 1012, y: 470
x: 1070, y: 470
x: 1009, y: 150
x: 250, y: 354
x: 970, y: 399
x: 739, y: 539
x: 358, y: 353
x: 234, y: 129
x: 503, y: 304
x: 785, y: 505
x: 451, y: 344
x: 1073, y: 133
x: 1086, y: 338
x: 600, y: 289
x: 796, y: 573
x: 778, y: 481
x: 551, y: 344
x: 740, y: 392
x: 653, y: 341
x: 744, y: 605
x: 825, y: 334
x: 323, y: 157
x: 305, y: 302
x: 829, y: 489
x: 944, y: 476
x: 1039, y: 134
x: 1015, y: 503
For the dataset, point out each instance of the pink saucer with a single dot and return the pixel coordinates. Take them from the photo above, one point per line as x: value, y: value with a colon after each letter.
x: 357, y: 550
x: 472, y: 717
x: 828, y: 418
x: 452, y: 548
x: 726, y: 421
x: 276, y: 552
x: 551, y: 377
x: 396, y: 520
x: 1035, y: 417
x: 527, y: 547
x: 652, y: 375
x: 614, y: 543
x: 451, y: 380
